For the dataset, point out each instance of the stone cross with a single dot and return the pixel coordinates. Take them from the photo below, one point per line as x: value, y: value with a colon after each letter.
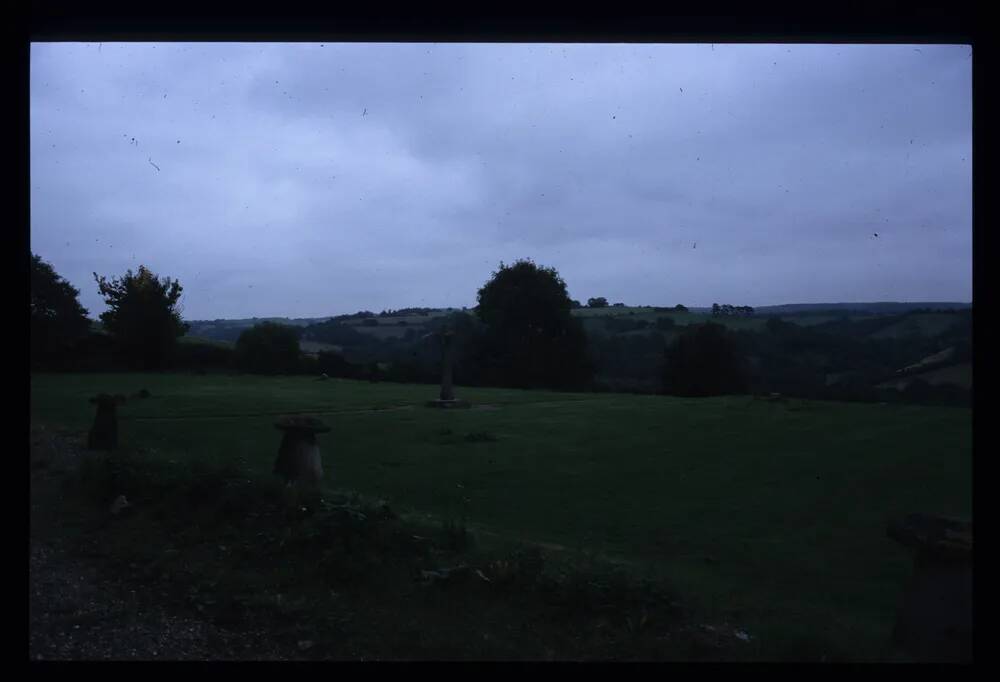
x: 447, y: 358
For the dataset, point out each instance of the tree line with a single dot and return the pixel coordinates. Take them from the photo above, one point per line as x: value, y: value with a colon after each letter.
x: 521, y: 334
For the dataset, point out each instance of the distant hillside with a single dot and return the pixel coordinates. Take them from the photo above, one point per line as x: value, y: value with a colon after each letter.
x: 878, y: 308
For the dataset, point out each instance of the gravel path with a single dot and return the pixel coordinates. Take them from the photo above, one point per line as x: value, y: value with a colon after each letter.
x: 74, y: 613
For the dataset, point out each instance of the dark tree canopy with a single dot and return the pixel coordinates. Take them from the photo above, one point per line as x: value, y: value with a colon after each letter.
x: 143, y: 317
x: 530, y: 337
x: 268, y: 348
x: 703, y: 360
x: 58, y: 320
x: 599, y: 302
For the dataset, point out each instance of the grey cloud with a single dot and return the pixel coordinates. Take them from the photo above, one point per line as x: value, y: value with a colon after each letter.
x: 308, y: 180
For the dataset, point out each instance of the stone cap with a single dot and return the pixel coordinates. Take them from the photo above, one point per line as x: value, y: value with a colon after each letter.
x: 938, y: 536
x: 300, y: 423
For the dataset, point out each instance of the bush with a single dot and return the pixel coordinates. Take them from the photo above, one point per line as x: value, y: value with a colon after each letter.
x: 268, y: 348
x: 704, y: 361
x: 335, y: 365
x: 203, y: 356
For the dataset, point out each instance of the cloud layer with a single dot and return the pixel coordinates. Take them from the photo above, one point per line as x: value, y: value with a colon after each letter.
x: 316, y: 179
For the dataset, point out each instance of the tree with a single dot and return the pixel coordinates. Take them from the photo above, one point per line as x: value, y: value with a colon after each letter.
x: 599, y: 302
x: 143, y: 317
x: 715, y: 309
x: 58, y: 320
x: 680, y: 308
x: 268, y: 348
x: 530, y: 338
x: 703, y: 361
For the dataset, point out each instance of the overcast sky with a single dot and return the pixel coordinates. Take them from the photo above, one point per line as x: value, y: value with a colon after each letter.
x: 306, y: 180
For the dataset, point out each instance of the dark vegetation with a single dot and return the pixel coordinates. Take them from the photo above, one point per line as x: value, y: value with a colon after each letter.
x: 142, y: 318
x: 526, y: 332
x: 58, y: 321
x: 268, y: 348
x: 348, y: 578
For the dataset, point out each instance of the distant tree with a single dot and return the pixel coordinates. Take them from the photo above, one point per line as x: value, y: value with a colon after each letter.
x: 599, y: 302
x: 716, y: 310
x: 143, y: 317
x: 58, y: 321
x: 268, y: 348
x: 573, y: 303
x: 335, y: 365
x: 679, y: 308
x: 618, y: 305
x: 530, y: 338
x: 703, y: 361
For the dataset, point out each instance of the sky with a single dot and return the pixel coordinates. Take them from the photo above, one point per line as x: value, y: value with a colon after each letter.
x: 309, y: 179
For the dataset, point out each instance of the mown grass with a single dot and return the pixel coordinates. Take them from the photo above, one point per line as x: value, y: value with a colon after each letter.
x: 770, y: 515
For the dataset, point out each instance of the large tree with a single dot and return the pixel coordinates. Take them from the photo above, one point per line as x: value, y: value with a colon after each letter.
x: 268, y: 348
x: 530, y: 338
x: 58, y: 320
x: 704, y: 360
x: 143, y: 317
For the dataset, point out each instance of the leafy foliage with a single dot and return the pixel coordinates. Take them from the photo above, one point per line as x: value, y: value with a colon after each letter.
x: 268, y: 348
x: 703, y: 361
x: 58, y: 320
x: 530, y: 337
x: 143, y: 317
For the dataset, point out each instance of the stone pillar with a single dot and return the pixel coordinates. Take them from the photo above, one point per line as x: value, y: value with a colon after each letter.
x: 299, y: 461
x: 934, y: 622
x: 447, y: 357
x: 103, y: 433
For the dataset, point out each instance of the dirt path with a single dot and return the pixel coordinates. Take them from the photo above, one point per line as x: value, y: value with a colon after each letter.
x: 76, y: 613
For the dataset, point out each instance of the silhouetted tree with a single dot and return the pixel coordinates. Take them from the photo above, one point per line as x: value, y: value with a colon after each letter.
x: 681, y: 309
x: 599, y: 302
x: 268, y: 348
x: 702, y: 361
x: 58, y: 321
x: 143, y: 317
x: 530, y: 338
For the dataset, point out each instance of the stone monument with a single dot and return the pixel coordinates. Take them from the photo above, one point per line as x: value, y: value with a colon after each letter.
x: 934, y: 622
x: 446, y: 398
x: 298, y: 459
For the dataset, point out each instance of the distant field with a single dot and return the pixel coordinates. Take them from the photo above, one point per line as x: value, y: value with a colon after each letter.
x: 929, y: 324
x: 957, y: 375
x: 773, y: 513
x: 209, y: 342
x: 317, y: 346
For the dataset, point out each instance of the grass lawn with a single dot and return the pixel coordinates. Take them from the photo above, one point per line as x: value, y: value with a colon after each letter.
x: 772, y: 515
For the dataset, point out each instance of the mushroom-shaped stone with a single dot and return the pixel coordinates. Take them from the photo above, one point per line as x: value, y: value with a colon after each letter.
x: 934, y: 622
x: 104, y: 432
x: 298, y: 457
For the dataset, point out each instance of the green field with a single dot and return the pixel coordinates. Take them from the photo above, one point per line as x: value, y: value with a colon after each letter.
x: 768, y: 514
